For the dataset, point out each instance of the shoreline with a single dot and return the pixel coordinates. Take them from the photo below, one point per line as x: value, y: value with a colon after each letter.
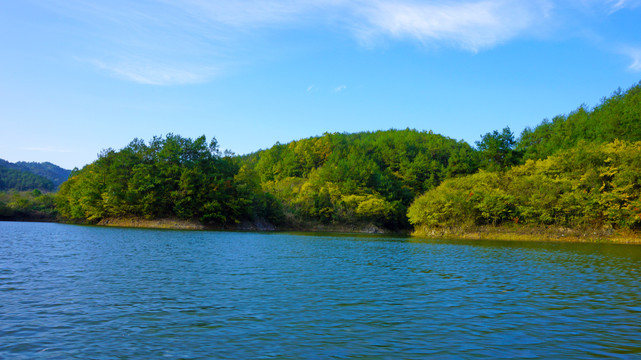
x: 257, y: 225
x: 500, y: 233
x: 532, y: 233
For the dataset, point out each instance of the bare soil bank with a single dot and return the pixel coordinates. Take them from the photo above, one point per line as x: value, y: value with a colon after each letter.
x: 518, y: 233
x: 532, y: 233
x: 133, y: 222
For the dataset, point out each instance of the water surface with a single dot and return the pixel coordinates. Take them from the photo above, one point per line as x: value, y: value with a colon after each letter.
x: 74, y: 292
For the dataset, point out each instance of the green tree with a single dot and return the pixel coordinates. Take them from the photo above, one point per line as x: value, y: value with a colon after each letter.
x: 497, y: 150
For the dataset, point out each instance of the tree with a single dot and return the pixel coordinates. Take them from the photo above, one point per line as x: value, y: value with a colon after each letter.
x: 498, y: 150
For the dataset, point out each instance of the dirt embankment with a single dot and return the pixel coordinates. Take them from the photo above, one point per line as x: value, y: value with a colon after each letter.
x: 152, y: 224
x: 257, y: 225
x: 518, y: 233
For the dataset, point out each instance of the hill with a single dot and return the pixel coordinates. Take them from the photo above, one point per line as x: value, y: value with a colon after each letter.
x: 21, y: 180
x: 617, y: 117
x: 367, y: 177
x: 47, y: 170
x: 334, y: 179
x: 578, y: 171
x: 23, y: 176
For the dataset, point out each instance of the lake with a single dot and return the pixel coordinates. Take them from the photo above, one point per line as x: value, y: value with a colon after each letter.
x: 77, y: 292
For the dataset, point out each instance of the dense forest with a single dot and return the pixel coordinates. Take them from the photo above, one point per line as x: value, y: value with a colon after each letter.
x: 358, y: 178
x: 617, y: 117
x: 171, y: 176
x: 26, y: 190
x: 12, y: 179
x: 55, y: 173
x: 22, y: 176
x: 588, y: 186
x: 335, y: 178
x: 28, y: 205
x: 580, y: 170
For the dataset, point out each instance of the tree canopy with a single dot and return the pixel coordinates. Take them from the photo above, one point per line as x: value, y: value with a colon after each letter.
x: 170, y: 176
x: 362, y: 177
x: 586, y: 186
x: 498, y: 150
x: 578, y: 170
x: 20, y: 180
x: 617, y: 117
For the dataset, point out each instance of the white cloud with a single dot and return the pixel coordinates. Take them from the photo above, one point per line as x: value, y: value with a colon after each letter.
x: 310, y: 88
x: 617, y: 5
x: 248, y: 13
x: 168, y: 42
x: 605, y: 7
x: 46, y: 149
x: 152, y: 73
x: 340, y: 88
x: 471, y: 25
x: 635, y: 56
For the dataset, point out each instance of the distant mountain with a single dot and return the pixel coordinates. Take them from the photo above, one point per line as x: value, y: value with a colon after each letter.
x: 31, y: 175
x: 47, y: 170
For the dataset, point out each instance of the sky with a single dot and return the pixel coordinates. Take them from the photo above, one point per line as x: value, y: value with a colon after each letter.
x: 80, y: 76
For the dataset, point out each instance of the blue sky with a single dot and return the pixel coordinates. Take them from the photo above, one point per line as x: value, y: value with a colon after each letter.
x: 78, y: 76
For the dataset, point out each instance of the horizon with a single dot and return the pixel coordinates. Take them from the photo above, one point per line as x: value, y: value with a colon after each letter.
x: 78, y: 77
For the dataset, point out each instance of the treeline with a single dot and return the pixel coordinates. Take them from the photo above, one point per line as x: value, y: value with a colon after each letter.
x: 26, y: 176
x: 55, y: 173
x: 20, y: 180
x: 369, y: 177
x: 27, y: 205
x: 335, y: 178
x: 582, y: 170
x: 169, y: 177
x: 579, y: 170
x: 587, y: 186
x: 617, y: 117
x: 26, y: 190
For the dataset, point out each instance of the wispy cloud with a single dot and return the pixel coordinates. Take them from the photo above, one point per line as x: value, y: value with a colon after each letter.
x: 472, y: 25
x: 157, y: 74
x: 46, y: 149
x: 310, y: 88
x: 635, y: 56
x: 617, y: 5
x: 250, y: 13
x: 340, y: 88
x: 169, y: 42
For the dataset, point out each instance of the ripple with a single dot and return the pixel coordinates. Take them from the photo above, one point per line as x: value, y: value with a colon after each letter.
x: 83, y: 292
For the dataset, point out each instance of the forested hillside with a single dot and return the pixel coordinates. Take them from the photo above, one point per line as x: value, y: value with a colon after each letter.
x: 581, y: 170
x: 20, y: 180
x: 335, y: 178
x: 616, y: 117
x: 587, y: 186
x: 23, y: 176
x: 364, y: 177
x: 168, y: 177
x: 27, y: 205
x: 25, y: 190
x: 55, y: 173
